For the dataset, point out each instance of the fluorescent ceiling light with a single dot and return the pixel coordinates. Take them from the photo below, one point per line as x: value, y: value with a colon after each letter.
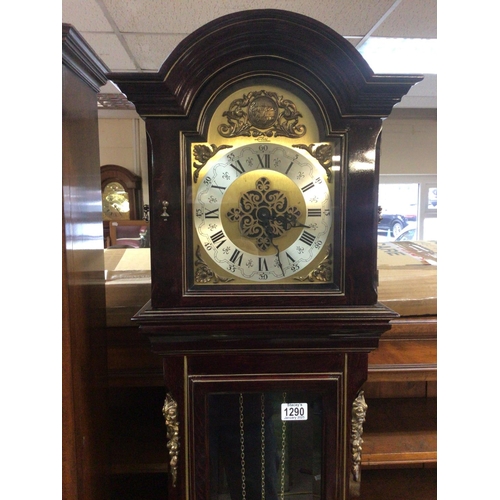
x: 400, y: 55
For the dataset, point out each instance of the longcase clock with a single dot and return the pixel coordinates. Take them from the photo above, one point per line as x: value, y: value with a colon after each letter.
x: 121, y: 194
x: 264, y: 131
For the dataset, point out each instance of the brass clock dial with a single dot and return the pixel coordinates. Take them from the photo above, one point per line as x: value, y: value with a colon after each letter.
x: 115, y: 202
x: 262, y: 213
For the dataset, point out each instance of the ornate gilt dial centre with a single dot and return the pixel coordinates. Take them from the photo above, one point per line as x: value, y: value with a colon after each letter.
x: 264, y: 214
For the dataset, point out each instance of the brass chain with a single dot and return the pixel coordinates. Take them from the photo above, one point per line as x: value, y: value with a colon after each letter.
x: 263, y: 447
x: 242, y: 447
x: 283, y: 449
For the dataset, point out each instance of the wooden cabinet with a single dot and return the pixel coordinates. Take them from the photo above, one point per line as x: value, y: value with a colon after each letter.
x: 400, y: 437
x: 326, y: 338
x: 243, y: 442
x: 137, y: 438
x: 83, y: 294
x: 400, y: 433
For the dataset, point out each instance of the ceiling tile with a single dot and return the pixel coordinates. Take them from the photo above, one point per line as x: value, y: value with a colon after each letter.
x: 411, y: 19
x: 148, y: 30
x: 150, y: 51
x: 85, y: 15
x: 347, y: 17
x: 111, y: 51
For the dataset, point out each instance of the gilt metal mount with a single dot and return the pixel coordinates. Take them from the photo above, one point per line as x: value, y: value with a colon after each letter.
x: 358, y: 416
x: 262, y: 114
x: 323, y: 272
x: 203, y: 273
x: 202, y: 153
x: 323, y: 153
x: 172, y: 422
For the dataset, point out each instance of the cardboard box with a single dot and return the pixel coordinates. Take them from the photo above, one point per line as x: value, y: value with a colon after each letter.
x: 128, y: 283
x: 407, y: 279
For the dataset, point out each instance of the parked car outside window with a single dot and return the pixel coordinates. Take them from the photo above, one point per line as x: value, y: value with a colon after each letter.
x: 433, y: 197
x: 409, y: 233
x: 393, y: 223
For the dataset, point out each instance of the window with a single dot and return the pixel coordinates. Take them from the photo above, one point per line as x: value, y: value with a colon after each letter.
x: 409, y: 207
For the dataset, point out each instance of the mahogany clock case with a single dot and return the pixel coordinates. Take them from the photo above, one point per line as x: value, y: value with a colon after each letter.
x: 246, y: 338
x: 348, y: 102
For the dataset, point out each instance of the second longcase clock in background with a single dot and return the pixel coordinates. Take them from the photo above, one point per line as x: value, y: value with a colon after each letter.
x: 121, y: 193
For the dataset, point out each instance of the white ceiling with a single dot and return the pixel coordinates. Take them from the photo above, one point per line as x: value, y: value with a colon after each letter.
x: 138, y: 35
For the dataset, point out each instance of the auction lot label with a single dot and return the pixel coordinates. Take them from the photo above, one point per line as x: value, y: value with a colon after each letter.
x: 294, y: 411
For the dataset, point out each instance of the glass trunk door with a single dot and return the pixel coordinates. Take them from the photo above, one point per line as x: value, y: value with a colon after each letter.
x: 267, y: 444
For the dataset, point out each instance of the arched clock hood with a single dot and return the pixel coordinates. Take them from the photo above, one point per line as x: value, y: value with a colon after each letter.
x: 213, y: 75
x: 265, y: 39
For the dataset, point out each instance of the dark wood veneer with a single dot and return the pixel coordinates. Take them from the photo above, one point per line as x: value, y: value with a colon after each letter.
x: 135, y: 372
x: 345, y: 95
x: 252, y: 337
x: 85, y: 459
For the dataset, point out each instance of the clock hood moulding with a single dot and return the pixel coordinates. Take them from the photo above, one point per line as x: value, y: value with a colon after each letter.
x: 286, y: 36
x: 234, y: 56
x: 78, y: 56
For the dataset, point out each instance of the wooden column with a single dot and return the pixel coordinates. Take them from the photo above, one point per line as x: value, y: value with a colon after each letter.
x: 83, y: 309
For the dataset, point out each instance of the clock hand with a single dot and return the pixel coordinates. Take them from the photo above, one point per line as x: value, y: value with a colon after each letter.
x: 299, y: 225
x: 286, y: 221
x: 277, y: 255
x: 266, y: 222
x: 291, y: 221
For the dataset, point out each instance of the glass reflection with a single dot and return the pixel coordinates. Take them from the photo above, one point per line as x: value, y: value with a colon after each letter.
x: 265, y: 446
x: 115, y: 202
